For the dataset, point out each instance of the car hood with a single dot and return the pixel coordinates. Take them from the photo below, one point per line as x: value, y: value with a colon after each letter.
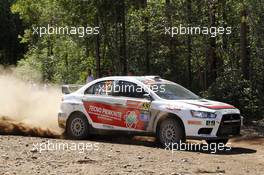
x: 208, y: 104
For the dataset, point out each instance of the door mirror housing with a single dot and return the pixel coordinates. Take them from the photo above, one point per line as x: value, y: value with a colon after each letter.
x: 147, y: 96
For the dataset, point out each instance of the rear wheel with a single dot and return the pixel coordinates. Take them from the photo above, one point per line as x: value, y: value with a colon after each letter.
x: 170, y: 131
x: 77, y: 127
x: 217, y: 141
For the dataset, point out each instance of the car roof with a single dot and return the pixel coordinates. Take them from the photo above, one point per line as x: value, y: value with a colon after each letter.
x: 128, y: 77
x: 150, y: 79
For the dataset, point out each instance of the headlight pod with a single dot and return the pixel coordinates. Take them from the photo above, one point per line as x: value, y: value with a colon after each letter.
x: 202, y: 114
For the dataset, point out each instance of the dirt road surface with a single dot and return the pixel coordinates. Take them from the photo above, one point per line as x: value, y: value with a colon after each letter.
x: 137, y: 156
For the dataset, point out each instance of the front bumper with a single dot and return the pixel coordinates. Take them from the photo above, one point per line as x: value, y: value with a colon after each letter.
x: 225, y: 126
x: 230, y: 125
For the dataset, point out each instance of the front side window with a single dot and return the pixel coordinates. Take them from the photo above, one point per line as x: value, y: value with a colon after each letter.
x: 129, y: 89
x: 173, y: 92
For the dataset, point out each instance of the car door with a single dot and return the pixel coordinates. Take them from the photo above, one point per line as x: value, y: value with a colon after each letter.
x: 135, y: 108
x: 112, y: 105
x: 101, y: 106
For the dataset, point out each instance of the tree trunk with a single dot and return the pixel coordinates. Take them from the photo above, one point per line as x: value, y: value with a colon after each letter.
x: 189, y: 44
x: 224, y: 38
x: 244, y: 52
x: 224, y: 17
x: 97, y: 50
x: 212, y: 60
x: 123, y: 39
x: 170, y: 42
x: 146, y: 34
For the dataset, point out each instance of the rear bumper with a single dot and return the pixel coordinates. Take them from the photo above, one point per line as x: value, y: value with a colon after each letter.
x: 62, y: 119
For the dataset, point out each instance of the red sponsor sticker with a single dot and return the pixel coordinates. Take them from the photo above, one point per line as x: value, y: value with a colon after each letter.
x: 114, y: 115
x: 215, y: 106
x: 133, y: 104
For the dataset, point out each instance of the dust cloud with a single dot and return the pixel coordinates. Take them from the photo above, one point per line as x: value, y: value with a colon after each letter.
x: 27, y: 103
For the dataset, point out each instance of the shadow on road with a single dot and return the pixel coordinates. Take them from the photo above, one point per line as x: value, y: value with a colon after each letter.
x: 193, y: 147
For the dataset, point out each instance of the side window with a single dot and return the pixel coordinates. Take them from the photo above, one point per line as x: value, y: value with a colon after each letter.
x: 89, y: 90
x: 101, y: 88
x: 128, y: 89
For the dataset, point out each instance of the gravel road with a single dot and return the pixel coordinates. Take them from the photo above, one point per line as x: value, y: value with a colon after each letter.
x: 136, y: 156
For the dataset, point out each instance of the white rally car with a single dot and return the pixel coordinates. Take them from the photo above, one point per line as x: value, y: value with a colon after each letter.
x: 146, y: 105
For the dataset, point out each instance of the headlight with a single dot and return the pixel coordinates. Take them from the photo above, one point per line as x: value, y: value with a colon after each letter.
x: 201, y: 114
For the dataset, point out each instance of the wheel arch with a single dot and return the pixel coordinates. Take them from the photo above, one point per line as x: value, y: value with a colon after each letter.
x: 76, y: 113
x: 166, y: 116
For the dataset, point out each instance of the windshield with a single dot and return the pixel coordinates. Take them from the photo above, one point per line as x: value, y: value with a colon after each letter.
x: 173, y: 92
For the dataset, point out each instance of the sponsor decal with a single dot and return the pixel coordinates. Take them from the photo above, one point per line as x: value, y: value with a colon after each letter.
x: 146, y: 81
x: 133, y: 104
x: 210, y: 123
x: 173, y: 107
x: 194, y: 122
x: 105, y: 112
x: 114, y: 115
x: 226, y: 111
x: 138, y: 105
x: 149, y: 82
x: 131, y: 119
x: 144, y: 117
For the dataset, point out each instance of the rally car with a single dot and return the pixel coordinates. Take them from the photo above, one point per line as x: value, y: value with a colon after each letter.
x: 146, y: 105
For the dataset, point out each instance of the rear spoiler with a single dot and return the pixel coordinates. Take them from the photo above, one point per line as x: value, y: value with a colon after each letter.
x: 69, y: 88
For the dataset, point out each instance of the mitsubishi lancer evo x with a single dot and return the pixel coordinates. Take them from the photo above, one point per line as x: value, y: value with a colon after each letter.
x: 146, y: 105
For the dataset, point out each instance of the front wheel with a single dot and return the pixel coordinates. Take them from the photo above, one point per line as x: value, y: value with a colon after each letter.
x: 170, y: 132
x: 77, y: 127
x: 217, y: 141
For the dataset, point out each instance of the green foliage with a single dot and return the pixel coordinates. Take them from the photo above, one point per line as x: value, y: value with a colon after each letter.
x: 231, y: 88
x: 10, y: 28
x: 68, y: 64
x: 184, y: 59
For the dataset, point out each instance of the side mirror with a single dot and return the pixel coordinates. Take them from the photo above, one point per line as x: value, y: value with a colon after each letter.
x: 147, y: 96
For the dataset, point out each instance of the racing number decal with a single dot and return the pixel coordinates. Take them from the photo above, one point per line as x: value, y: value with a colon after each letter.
x: 146, y: 106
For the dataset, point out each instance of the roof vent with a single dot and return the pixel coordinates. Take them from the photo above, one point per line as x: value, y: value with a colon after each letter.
x: 157, y: 78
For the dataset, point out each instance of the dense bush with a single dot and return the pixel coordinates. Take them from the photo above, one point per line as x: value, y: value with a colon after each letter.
x: 231, y: 88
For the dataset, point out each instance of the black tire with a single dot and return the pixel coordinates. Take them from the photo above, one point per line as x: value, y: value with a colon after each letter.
x: 217, y: 141
x: 170, y: 131
x: 77, y: 127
